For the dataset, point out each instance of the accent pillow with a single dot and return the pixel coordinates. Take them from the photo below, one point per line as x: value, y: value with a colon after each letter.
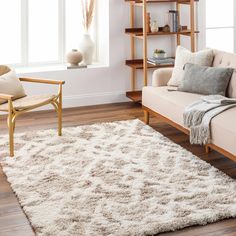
x: 205, y: 80
x: 10, y: 84
x: 183, y: 56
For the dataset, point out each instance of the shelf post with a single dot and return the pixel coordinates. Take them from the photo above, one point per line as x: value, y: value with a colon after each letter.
x: 178, y: 35
x: 132, y: 41
x: 145, y: 72
x: 192, y: 25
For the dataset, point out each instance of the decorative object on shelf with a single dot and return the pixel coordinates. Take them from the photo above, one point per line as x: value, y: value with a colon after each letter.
x: 86, y: 44
x: 154, y: 27
x: 183, y: 27
x: 159, y: 54
x: 148, y: 22
x: 174, y: 22
x: 87, y: 48
x: 166, y: 28
x: 74, y: 57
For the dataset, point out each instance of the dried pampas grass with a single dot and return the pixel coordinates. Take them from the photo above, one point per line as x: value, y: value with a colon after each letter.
x: 87, y: 12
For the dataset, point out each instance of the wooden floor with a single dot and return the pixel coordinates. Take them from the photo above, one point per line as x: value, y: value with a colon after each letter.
x: 13, y: 222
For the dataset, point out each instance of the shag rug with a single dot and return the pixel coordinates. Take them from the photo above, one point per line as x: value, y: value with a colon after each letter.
x: 120, y: 178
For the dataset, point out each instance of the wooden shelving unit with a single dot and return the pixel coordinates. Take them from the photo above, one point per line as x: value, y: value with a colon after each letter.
x: 143, y: 34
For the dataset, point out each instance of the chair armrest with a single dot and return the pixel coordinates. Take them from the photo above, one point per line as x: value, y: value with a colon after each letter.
x: 42, y: 81
x: 6, y: 96
x: 161, y: 77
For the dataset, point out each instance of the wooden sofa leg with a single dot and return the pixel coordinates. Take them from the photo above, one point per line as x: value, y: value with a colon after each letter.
x: 207, y: 148
x: 146, y: 117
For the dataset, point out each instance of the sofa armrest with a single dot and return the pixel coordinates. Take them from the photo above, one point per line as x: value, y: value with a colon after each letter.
x: 161, y: 77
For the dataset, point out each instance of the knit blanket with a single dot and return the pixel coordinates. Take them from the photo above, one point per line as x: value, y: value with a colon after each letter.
x: 198, y: 115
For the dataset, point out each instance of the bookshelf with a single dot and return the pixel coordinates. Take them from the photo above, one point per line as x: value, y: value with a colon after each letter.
x: 143, y: 34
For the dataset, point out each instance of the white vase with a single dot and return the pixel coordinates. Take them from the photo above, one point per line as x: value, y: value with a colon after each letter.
x: 154, y: 27
x: 87, y: 46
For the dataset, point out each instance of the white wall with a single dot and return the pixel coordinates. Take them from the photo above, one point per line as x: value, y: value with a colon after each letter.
x: 107, y: 84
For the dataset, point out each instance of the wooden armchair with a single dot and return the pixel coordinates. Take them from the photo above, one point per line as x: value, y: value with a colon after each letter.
x: 14, y: 108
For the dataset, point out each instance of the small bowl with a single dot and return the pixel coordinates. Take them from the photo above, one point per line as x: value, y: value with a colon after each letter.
x: 159, y: 55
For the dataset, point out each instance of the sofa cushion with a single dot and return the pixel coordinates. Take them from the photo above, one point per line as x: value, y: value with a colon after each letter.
x: 172, y: 105
x: 11, y: 85
x: 183, y: 56
x: 205, y: 80
x: 223, y: 59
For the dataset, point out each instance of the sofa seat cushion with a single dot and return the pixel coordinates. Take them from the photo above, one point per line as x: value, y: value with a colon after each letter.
x: 172, y: 104
x: 28, y: 102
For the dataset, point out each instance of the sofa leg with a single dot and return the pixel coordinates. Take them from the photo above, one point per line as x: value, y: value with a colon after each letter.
x: 146, y: 117
x: 207, y: 148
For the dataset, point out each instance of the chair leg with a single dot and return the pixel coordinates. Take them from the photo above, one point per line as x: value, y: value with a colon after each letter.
x: 146, y: 117
x: 60, y: 112
x: 11, y: 125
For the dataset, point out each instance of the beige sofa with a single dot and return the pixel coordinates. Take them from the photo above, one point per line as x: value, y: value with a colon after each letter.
x: 170, y: 106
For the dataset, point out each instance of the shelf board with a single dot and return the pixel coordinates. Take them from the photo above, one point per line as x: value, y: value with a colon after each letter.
x: 138, y: 32
x: 138, y: 64
x: 135, y: 96
x: 139, y: 2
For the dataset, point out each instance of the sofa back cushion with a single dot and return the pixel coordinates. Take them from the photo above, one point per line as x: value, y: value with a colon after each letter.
x: 224, y: 59
x: 11, y: 85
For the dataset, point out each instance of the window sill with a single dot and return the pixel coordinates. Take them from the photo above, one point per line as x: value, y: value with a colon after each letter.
x: 53, y: 68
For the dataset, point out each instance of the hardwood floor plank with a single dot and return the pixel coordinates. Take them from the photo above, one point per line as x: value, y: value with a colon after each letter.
x: 13, y: 221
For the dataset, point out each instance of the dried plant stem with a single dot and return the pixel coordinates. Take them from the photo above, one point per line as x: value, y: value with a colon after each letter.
x: 87, y: 12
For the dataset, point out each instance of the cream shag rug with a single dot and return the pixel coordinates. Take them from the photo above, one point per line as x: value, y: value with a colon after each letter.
x: 120, y: 178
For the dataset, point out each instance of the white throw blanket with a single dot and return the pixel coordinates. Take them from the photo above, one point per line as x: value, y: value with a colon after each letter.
x: 198, y: 116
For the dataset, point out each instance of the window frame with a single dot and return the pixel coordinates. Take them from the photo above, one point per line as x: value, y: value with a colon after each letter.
x: 203, y: 28
x: 61, y: 37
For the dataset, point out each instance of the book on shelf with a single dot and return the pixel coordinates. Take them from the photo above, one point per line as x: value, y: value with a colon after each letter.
x: 164, y: 61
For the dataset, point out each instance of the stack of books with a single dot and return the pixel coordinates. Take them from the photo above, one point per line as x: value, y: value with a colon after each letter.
x: 165, y: 61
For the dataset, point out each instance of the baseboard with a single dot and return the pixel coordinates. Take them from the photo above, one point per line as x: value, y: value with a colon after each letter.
x: 94, y: 99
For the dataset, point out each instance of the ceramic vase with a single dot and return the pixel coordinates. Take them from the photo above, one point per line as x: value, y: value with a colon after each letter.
x: 87, y: 46
x: 154, y: 27
x: 74, y: 57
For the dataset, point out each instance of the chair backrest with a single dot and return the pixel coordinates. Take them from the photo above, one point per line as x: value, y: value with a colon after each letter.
x: 4, y: 69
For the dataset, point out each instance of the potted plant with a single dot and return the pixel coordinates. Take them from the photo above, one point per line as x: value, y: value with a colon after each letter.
x: 159, y: 54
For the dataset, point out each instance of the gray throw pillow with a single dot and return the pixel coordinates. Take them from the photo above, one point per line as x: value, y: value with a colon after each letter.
x: 205, y: 80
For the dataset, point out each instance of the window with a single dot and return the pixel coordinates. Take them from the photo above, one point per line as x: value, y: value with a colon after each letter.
x: 219, y: 24
x: 39, y: 32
